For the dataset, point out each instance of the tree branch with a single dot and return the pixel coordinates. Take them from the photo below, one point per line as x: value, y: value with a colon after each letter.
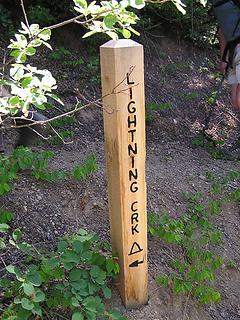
x: 25, y: 15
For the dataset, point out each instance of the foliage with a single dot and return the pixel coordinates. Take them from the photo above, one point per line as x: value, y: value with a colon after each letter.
x: 5, y: 20
x: 41, y: 15
x: 193, y: 234
x: 196, y: 24
x: 30, y: 86
x: 73, y: 278
x: 59, y: 54
x: 24, y: 159
x: 211, y: 145
x: 153, y: 107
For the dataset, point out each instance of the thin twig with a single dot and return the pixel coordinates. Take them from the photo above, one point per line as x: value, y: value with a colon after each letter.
x: 59, y: 136
x: 25, y: 15
x: 96, y: 102
x: 76, y: 20
x: 40, y: 135
x: 3, y: 262
x: 130, y: 71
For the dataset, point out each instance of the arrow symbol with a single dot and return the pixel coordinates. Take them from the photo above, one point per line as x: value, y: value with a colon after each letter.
x: 135, y: 264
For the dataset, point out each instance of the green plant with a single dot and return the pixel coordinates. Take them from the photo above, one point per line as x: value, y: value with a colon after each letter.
x: 24, y: 159
x: 6, y: 20
x: 188, y: 95
x: 59, y: 54
x: 196, y: 24
x: 30, y: 86
x: 194, y: 264
x: 211, y: 145
x: 232, y: 264
x: 64, y: 134
x: 152, y: 107
x: 71, y: 279
x: 93, y: 69
x: 40, y: 14
x: 74, y: 63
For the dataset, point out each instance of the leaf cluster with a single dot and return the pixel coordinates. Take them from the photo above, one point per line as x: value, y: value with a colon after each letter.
x: 23, y: 159
x: 193, y: 234
x: 71, y: 279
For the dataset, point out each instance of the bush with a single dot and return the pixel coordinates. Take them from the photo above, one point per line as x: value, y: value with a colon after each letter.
x: 196, y: 25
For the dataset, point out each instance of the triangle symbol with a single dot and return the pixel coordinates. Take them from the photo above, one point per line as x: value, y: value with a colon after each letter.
x: 135, y: 249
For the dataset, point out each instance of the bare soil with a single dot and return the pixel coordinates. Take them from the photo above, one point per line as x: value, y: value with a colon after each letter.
x: 184, y: 76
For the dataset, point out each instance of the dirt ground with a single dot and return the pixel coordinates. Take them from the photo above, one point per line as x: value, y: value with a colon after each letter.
x: 184, y: 76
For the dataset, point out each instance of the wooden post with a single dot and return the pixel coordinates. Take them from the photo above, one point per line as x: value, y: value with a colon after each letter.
x: 122, y: 76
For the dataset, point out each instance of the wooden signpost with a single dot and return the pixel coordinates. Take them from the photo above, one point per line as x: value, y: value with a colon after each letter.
x: 122, y: 74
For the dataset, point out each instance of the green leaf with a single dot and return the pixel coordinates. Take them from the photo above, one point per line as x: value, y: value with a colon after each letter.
x: 162, y: 280
x: 134, y: 31
x: 4, y: 227
x: 126, y: 33
x: 6, y: 216
x: 62, y: 246
x: 37, y: 310
x: 110, y: 265
x: 75, y: 274
x: 5, y: 283
x: 78, y: 246
x: 39, y: 296
x: 22, y: 57
x: 33, y: 276
x: 30, y: 51
x: 112, y: 35
x: 71, y: 256
x: 25, y: 247
x: 45, y: 34
x: 28, y: 289
x: 14, y: 100
x: 107, y: 292
x: 2, y: 244
x: 27, y: 304
x: 89, y: 34
x: 93, y: 304
x: 77, y: 316
x: 81, y: 3
x: 23, y: 314
x: 55, y: 97
x: 115, y: 315
x: 11, y: 269
x: 17, y: 234
x: 80, y: 284
x: 75, y: 302
x: 138, y: 4
x: 98, y: 275
x: 110, y: 20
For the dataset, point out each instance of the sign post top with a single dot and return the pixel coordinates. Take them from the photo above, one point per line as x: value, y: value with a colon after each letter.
x: 121, y: 43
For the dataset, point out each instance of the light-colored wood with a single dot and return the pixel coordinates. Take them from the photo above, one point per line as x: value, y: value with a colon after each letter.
x: 122, y: 74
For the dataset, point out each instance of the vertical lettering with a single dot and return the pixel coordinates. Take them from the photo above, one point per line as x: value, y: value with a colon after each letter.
x: 132, y: 206
x: 128, y: 80
x: 132, y: 149
x: 134, y: 229
x: 132, y: 134
x: 133, y: 109
x: 133, y: 161
x: 134, y: 217
x: 134, y: 121
x: 133, y: 175
x: 133, y: 187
